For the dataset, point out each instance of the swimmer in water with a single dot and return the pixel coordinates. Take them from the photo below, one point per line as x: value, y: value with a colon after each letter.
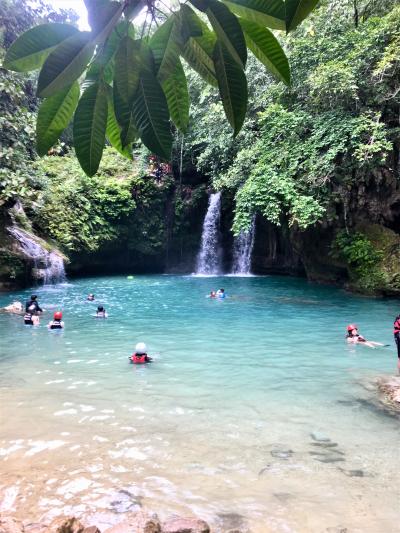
x: 101, y: 312
x: 140, y: 356
x: 354, y: 337
x: 32, y: 306
x: 90, y: 297
x: 57, y: 322
x: 221, y: 294
x: 30, y: 319
x: 212, y: 294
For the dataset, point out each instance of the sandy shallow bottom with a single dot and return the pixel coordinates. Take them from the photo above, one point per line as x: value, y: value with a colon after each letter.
x: 288, y: 443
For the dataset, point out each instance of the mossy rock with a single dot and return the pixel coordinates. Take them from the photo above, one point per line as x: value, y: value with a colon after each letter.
x: 387, y: 242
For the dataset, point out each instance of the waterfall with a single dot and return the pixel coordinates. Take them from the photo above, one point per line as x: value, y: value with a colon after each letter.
x: 210, y: 256
x: 48, y: 266
x: 242, y: 249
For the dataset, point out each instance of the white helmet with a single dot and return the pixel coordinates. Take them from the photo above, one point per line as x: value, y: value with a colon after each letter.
x: 140, y: 348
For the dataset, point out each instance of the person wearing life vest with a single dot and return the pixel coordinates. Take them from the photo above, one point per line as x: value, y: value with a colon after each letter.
x: 101, y: 312
x: 354, y: 337
x: 57, y: 322
x: 90, y: 297
x: 221, y: 294
x: 140, y: 356
x: 396, y: 333
x: 30, y: 319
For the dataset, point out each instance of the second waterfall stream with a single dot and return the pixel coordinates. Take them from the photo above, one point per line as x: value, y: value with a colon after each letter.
x: 242, y: 250
x: 209, y: 260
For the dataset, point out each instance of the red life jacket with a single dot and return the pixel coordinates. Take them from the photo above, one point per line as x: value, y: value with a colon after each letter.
x: 139, y: 359
x: 396, y: 325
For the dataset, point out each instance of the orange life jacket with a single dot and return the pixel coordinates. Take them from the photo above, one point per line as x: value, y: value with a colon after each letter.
x: 139, y: 359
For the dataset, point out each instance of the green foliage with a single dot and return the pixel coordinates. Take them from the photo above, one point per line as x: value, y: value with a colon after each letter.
x: 148, y: 80
x: 81, y: 212
x: 362, y: 258
x: 302, y: 150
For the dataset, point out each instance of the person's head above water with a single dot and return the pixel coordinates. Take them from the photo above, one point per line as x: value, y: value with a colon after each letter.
x: 100, y: 308
x: 57, y: 315
x: 351, y: 328
x: 140, y: 348
x: 90, y: 297
x: 221, y: 290
x: 33, y: 297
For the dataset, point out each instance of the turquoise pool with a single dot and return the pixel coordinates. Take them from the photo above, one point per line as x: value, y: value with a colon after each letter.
x: 255, y: 413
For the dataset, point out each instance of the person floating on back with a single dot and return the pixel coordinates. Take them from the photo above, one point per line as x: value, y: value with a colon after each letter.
x: 101, y: 312
x: 140, y: 356
x: 57, y: 322
x: 32, y: 305
x: 354, y: 337
x: 396, y: 333
x: 90, y: 297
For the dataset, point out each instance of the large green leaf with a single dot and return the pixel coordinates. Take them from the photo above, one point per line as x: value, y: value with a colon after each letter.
x: 190, y: 23
x: 297, y: 11
x: 54, y: 115
x: 228, y: 30
x: 165, y: 44
x: 65, y: 64
x: 113, y: 130
x: 198, y: 52
x: 176, y: 91
x: 200, y: 61
x: 123, y: 114
x: 232, y: 86
x: 71, y: 57
x: 30, y: 50
x: 126, y: 68
x: 90, y: 123
x: 269, y: 13
x: 267, y: 49
x: 150, y: 112
x: 96, y: 11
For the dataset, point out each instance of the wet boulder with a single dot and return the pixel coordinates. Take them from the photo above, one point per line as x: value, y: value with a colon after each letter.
x: 185, y: 525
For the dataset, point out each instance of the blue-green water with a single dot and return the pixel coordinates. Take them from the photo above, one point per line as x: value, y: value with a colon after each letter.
x: 220, y: 424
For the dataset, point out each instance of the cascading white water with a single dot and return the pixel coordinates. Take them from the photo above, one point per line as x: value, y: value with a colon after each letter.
x: 55, y: 270
x: 49, y: 266
x: 210, y: 256
x: 242, y: 250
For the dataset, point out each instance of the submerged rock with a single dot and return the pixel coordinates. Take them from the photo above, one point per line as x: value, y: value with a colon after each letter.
x: 139, y: 522
x: 15, y: 308
x: 389, y: 388
x: 319, y: 437
x: 185, y: 525
x: 10, y: 525
x: 66, y: 525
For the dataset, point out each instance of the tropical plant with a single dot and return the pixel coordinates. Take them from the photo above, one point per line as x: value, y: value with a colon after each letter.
x: 135, y: 82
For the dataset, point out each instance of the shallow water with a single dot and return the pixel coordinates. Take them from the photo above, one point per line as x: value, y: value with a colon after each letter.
x: 229, y: 423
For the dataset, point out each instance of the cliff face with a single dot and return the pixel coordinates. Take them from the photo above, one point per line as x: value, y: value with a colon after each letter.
x: 164, y: 236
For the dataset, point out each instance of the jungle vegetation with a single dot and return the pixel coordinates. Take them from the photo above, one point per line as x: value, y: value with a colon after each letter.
x: 304, y: 146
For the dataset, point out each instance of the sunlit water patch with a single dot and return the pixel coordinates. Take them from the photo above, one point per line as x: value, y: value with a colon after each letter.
x: 253, y: 415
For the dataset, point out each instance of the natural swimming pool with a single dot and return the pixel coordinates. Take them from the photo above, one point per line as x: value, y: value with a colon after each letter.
x: 229, y: 423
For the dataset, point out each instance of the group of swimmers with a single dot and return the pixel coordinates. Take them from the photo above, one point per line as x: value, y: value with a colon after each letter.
x: 33, y: 311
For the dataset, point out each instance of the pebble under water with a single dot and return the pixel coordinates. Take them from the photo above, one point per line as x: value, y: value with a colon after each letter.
x: 255, y: 414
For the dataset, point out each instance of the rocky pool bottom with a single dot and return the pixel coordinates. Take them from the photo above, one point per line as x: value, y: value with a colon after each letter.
x: 255, y: 416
